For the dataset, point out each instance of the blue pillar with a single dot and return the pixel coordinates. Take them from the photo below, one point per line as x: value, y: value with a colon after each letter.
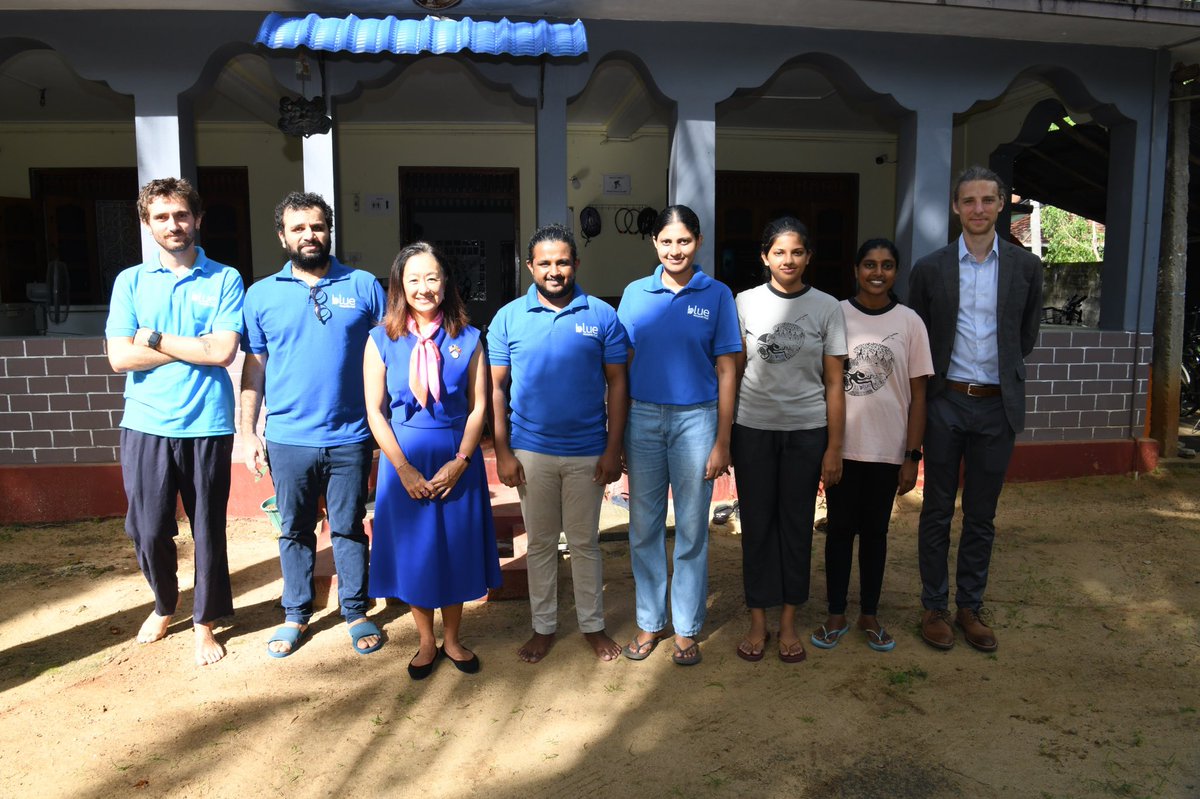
x: 320, y: 168
x: 922, y: 185
x: 165, y: 137
x: 692, y: 179
x: 552, y: 149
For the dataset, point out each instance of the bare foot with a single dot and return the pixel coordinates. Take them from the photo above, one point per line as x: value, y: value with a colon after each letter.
x: 154, y: 628
x: 605, y: 648
x: 367, y: 641
x: 208, y: 649
x: 283, y: 647
x: 536, y: 647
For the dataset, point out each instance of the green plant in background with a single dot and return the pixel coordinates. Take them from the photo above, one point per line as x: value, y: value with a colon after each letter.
x: 1070, y: 238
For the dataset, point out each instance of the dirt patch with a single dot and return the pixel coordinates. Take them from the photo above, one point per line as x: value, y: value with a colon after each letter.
x: 1095, y: 690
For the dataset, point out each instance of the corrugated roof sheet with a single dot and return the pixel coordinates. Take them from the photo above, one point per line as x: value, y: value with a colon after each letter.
x: 429, y: 35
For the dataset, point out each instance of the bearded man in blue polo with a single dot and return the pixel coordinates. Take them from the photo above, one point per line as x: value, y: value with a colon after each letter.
x: 559, y: 398
x: 306, y: 330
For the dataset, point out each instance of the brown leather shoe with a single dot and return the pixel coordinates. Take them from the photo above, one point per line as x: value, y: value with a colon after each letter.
x: 936, y: 629
x: 978, y: 634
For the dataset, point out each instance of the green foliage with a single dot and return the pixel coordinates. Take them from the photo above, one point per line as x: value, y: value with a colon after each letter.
x: 1069, y: 237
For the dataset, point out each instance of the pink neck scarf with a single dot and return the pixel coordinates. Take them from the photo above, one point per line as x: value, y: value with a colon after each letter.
x: 423, y: 378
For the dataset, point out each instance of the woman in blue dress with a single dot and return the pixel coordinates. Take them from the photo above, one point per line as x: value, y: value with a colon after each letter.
x: 434, y: 542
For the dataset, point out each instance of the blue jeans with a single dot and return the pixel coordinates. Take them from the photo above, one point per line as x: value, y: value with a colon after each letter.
x: 301, y: 476
x: 669, y: 445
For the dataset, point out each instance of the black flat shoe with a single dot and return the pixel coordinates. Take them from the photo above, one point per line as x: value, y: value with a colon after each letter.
x: 421, y: 672
x: 468, y: 666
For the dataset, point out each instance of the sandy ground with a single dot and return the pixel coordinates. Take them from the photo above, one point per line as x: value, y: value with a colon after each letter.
x: 1095, y: 690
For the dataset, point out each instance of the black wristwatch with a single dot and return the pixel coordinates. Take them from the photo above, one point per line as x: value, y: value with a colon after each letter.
x: 154, y: 340
x: 913, y: 455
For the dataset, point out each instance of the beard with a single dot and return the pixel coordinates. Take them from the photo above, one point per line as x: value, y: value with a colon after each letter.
x: 565, y: 290
x: 171, y: 244
x: 310, y: 261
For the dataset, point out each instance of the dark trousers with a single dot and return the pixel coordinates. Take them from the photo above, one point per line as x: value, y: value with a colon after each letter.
x: 972, y: 432
x: 156, y: 469
x: 861, y: 504
x: 302, y: 475
x: 777, y: 473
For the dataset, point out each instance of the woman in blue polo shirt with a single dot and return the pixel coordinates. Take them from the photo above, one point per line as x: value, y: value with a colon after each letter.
x: 684, y: 339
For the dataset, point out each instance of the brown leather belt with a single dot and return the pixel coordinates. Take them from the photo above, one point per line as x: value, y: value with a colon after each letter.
x: 973, y: 389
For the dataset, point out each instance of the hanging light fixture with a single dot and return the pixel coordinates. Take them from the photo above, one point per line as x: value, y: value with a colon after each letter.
x: 437, y: 5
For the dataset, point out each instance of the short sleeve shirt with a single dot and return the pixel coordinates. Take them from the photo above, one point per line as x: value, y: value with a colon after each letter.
x: 677, y: 336
x: 314, y: 379
x: 556, y: 361
x: 787, y: 337
x: 177, y: 399
x: 888, y: 348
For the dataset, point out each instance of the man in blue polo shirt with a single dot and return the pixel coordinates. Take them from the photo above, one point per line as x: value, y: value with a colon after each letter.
x: 558, y: 360
x: 173, y: 326
x: 306, y: 330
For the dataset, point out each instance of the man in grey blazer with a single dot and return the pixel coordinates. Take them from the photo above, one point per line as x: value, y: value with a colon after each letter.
x: 981, y: 300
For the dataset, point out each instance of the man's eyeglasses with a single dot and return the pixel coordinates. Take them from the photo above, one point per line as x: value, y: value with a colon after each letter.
x: 318, y: 298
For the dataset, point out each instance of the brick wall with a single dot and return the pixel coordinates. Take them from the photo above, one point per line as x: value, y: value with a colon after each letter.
x: 60, y: 401
x: 1086, y: 384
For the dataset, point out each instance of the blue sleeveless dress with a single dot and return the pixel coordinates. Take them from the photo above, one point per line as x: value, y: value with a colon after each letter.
x: 432, y: 552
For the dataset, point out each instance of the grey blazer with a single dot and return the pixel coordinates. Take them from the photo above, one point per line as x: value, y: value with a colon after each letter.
x: 933, y: 294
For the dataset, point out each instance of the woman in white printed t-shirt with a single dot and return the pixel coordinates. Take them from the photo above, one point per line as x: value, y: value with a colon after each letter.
x: 787, y: 435
x: 885, y: 420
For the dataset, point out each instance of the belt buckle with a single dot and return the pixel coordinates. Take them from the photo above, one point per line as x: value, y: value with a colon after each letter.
x: 971, y: 389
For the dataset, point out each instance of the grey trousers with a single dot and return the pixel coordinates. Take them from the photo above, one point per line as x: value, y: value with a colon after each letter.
x: 559, y: 496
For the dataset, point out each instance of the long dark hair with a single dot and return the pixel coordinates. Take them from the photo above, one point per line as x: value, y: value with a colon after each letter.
x: 395, y: 321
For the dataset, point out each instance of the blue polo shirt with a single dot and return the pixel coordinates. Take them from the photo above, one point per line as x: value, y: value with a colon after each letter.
x: 677, y: 336
x: 177, y: 399
x: 314, y: 379
x: 556, y: 364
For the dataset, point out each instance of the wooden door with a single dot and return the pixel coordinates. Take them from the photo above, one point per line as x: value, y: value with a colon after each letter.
x: 470, y: 215
x: 225, y: 229
x: 827, y: 204
x: 21, y: 257
x: 91, y: 224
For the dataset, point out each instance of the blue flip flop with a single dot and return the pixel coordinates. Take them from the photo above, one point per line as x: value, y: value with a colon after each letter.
x: 876, y: 642
x: 828, y: 639
x: 290, y: 636
x: 362, y: 630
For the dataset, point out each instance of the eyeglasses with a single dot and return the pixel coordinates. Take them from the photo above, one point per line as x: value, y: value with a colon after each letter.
x: 318, y: 298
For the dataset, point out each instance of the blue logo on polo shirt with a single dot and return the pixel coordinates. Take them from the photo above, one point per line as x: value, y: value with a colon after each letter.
x: 343, y: 302
x: 699, y: 312
x: 587, y: 330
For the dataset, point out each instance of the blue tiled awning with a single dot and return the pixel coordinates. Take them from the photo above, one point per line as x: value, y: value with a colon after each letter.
x: 428, y: 35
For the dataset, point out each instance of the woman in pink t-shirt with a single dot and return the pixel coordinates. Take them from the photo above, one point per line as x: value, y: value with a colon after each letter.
x: 884, y: 382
